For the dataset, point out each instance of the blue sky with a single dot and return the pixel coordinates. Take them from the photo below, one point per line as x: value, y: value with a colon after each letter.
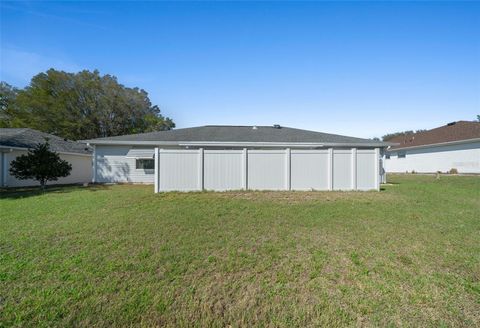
x: 354, y: 68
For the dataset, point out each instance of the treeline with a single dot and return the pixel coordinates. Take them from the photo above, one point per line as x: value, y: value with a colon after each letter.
x: 390, y: 136
x: 79, y: 105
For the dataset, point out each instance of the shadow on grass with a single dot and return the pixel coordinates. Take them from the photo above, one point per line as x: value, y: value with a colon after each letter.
x: 23, y: 192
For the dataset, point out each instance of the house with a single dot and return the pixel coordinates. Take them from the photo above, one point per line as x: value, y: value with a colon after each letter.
x: 16, y: 142
x: 239, y: 157
x: 452, y: 146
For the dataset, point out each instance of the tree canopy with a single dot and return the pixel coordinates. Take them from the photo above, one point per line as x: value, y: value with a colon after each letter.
x: 8, y: 94
x: 80, y: 105
x: 390, y: 136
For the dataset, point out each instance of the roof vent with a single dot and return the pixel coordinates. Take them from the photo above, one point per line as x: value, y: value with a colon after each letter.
x: 254, y: 127
x: 277, y: 126
x: 451, y: 123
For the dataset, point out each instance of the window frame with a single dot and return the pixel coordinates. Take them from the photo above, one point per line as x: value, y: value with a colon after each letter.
x: 143, y: 160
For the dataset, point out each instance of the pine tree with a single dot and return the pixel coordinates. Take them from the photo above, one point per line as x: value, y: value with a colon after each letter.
x: 41, y: 164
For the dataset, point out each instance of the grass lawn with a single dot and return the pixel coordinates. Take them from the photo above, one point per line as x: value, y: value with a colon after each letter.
x: 123, y: 256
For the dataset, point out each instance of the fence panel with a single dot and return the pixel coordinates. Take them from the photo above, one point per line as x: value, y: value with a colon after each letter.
x: 309, y: 170
x: 366, y: 170
x: 223, y: 169
x: 266, y: 169
x: 285, y: 169
x: 179, y: 170
x: 342, y: 169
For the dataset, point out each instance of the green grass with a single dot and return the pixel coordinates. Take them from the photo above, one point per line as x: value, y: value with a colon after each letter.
x: 123, y: 256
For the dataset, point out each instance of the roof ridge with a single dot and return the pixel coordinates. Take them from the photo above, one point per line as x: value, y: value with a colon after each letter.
x: 237, y: 126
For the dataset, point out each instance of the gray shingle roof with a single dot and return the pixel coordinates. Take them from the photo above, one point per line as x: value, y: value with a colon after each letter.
x: 226, y: 133
x: 28, y: 138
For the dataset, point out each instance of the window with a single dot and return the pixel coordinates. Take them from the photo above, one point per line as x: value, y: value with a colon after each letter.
x: 402, y: 154
x: 387, y: 156
x: 144, y: 164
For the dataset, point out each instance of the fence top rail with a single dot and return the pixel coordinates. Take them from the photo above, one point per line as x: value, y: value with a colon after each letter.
x: 179, y: 151
x: 266, y: 151
x: 309, y: 151
x: 366, y: 151
x: 342, y: 151
x: 223, y: 151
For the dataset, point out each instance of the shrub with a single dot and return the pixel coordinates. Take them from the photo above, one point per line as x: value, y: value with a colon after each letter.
x: 41, y: 164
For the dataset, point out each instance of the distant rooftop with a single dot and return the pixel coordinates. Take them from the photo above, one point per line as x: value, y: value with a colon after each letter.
x: 239, y: 134
x: 28, y: 138
x: 455, y: 131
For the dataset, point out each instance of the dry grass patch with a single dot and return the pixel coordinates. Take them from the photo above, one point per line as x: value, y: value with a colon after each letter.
x: 297, y: 197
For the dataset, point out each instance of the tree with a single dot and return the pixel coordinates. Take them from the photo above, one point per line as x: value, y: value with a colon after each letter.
x: 85, y: 105
x: 41, y: 164
x: 478, y: 118
x: 8, y: 96
x: 390, y: 136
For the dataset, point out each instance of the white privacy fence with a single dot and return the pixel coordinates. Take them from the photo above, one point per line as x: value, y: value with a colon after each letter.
x: 283, y: 169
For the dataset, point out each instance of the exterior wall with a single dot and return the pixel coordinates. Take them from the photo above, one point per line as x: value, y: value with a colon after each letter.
x: 112, y: 166
x: 280, y: 169
x: 81, y: 170
x: 258, y: 169
x: 463, y: 157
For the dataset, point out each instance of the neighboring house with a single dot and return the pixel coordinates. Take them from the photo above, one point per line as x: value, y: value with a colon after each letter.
x: 16, y: 142
x: 239, y: 157
x: 453, y: 146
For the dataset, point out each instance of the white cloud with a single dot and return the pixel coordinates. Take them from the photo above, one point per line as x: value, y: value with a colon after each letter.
x: 17, y: 67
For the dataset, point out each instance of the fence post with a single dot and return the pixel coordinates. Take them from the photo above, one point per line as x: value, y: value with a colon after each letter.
x: 200, y: 169
x: 157, y: 168
x: 330, y: 168
x: 245, y: 169
x: 288, y: 172
x: 2, y: 171
x: 354, y: 168
x: 377, y: 168
x: 94, y: 176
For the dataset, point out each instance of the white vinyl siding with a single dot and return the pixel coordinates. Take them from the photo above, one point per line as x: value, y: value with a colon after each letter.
x: 464, y: 157
x: 113, y: 165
